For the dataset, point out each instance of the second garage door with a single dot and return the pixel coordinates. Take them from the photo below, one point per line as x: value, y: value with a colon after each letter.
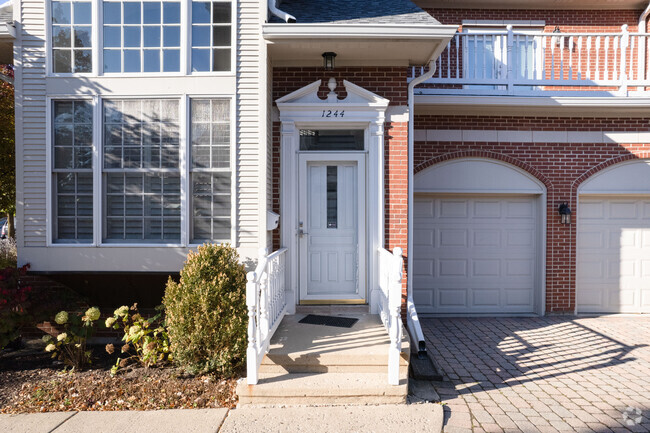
x: 475, y: 254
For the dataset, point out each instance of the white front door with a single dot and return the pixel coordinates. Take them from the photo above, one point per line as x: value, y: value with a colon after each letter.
x: 331, y: 228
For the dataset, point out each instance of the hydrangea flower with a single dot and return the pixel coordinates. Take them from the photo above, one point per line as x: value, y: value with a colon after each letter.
x: 122, y: 311
x: 110, y: 322
x: 61, y: 318
x: 93, y: 314
x: 46, y: 338
x: 50, y: 347
x: 62, y: 336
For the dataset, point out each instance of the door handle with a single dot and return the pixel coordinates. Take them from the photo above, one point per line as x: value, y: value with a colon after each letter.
x: 302, y: 233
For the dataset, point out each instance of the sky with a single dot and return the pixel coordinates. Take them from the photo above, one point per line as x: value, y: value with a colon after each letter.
x: 3, y: 1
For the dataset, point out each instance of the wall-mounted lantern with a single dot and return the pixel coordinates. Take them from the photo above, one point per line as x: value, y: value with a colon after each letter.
x: 328, y: 60
x: 565, y: 213
x: 557, y: 39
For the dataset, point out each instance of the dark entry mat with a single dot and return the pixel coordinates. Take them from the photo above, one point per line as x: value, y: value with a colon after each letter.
x: 340, y: 322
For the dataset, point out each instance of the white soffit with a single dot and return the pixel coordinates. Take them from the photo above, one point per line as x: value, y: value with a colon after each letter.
x: 468, y: 175
x: 625, y: 178
x: 355, y: 44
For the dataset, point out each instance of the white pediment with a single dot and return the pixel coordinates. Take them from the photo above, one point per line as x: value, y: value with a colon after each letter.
x: 356, y: 96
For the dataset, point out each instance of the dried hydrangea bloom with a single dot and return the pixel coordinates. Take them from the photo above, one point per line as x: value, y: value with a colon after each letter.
x: 61, y: 317
x: 62, y: 336
x: 93, y: 314
x: 50, y: 347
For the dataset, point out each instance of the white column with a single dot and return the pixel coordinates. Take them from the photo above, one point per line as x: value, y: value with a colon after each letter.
x: 288, y: 209
x: 376, y: 201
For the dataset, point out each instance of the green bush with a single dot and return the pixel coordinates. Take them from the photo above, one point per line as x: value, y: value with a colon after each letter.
x: 206, y: 312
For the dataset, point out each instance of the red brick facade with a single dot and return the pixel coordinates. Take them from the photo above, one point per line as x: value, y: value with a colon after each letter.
x: 562, y: 167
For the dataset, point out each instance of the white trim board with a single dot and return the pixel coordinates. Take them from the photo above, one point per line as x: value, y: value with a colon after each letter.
x: 532, y: 136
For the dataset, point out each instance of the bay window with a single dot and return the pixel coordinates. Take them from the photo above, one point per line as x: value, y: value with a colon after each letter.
x: 72, y: 171
x: 210, y: 170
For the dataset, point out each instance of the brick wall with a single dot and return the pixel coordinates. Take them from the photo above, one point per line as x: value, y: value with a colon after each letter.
x: 562, y: 167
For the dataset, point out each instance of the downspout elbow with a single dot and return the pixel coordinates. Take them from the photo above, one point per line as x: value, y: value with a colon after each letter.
x: 643, y: 18
x: 287, y: 18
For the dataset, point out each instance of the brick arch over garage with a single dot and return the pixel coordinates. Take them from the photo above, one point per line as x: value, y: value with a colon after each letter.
x: 606, y: 164
x: 489, y: 155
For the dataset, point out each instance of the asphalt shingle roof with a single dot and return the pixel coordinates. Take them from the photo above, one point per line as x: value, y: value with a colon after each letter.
x: 355, y: 12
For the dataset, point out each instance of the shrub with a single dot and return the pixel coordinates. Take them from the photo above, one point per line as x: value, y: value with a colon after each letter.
x: 8, y: 254
x: 14, y: 304
x: 147, y: 337
x: 206, y: 312
x: 70, y: 345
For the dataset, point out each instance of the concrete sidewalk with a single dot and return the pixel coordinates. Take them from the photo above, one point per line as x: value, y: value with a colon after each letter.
x: 426, y: 417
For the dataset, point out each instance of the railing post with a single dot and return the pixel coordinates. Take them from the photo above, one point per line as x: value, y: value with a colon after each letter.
x: 251, y: 351
x: 394, y: 308
x: 510, y: 76
x: 625, y: 37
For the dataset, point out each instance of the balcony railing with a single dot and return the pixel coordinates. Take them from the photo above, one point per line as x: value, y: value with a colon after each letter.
x: 513, y: 62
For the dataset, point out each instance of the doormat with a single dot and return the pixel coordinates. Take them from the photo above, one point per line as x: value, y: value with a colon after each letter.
x: 339, y: 322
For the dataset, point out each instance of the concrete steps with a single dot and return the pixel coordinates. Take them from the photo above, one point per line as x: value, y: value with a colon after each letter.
x: 315, y: 364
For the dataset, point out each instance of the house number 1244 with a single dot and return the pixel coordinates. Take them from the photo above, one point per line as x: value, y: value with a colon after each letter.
x: 330, y: 113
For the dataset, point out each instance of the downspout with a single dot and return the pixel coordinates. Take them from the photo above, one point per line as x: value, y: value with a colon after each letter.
x: 641, y: 74
x: 413, y: 322
x: 287, y: 18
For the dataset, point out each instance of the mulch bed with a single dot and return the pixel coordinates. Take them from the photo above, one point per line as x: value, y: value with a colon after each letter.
x: 30, y: 381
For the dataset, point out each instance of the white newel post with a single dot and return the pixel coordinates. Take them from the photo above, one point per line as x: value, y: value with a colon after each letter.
x: 395, y: 307
x: 510, y: 76
x: 625, y: 37
x: 251, y: 352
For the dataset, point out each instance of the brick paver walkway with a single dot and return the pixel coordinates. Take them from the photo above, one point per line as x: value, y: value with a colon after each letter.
x: 545, y: 374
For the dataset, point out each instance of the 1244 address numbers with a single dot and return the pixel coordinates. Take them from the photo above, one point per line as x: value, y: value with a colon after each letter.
x: 330, y: 113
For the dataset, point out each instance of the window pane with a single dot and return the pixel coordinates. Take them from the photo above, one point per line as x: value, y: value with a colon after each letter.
x: 83, y: 61
x: 112, y: 37
x: 221, y: 13
x: 200, y: 12
x: 221, y: 60
x: 151, y: 61
x: 221, y: 36
x: 151, y: 13
x: 171, y: 60
x: 172, y: 36
x: 82, y: 37
x: 61, y: 37
x: 171, y: 13
x: 60, y: 13
x: 200, y: 60
x: 112, y: 13
x: 132, y: 13
x: 131, y: 36
x: 62, y: 61
x: 132, y: 61
x: 323, y: 140
x: 82, y: 13
x: 200, y: 36
x: 112, y: 61
x: 152, y: 36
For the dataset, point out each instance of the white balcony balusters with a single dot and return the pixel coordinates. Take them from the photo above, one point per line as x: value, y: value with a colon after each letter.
x: 540, y: 63
x: 390, y: 305
x: 266, y: 302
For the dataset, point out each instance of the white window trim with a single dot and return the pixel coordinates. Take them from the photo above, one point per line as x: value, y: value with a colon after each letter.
x: 49, y: 58
x: 98, y: 170
x: 97, y: 40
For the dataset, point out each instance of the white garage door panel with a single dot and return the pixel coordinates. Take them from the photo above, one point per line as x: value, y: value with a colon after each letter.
x: 613, y: 255
x: 474, y: 254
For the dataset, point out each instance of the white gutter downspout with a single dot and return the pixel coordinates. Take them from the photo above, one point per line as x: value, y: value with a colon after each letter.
x: 412, y: 318
x: 641, y: 75
x: 287, y: 18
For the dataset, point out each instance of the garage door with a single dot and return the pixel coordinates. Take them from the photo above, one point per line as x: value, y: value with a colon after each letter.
x: 613, y: 259
x: 475, y: 254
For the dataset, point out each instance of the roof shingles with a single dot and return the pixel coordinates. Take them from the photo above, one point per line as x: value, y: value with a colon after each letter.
x: 355, y: 12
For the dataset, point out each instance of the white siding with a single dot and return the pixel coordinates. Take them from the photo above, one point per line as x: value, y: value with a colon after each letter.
x: 250, y: 129
x: 31, y: 161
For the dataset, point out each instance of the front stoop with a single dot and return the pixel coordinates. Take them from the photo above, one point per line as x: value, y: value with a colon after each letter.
x: 315, y: 364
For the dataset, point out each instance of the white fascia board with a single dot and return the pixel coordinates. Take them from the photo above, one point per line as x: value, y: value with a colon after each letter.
x: 535, y: 101
x: 277, y: 31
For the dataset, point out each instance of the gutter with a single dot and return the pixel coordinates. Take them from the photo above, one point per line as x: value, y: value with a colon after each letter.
x: 413, y: 322
x: 287, y: 18
x: 360, y: 31
x: 641, y: 75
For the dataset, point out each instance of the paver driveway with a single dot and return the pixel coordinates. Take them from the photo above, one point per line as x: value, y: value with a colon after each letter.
x: 543, y: 374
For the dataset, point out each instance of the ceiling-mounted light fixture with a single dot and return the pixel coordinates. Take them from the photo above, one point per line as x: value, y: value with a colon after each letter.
x: 556, y: 36
x: 328, y: 60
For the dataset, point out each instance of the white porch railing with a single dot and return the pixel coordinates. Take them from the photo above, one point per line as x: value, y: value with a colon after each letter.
x: 267, y: 305
x: 389, y: 304
x: 523, y: 62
